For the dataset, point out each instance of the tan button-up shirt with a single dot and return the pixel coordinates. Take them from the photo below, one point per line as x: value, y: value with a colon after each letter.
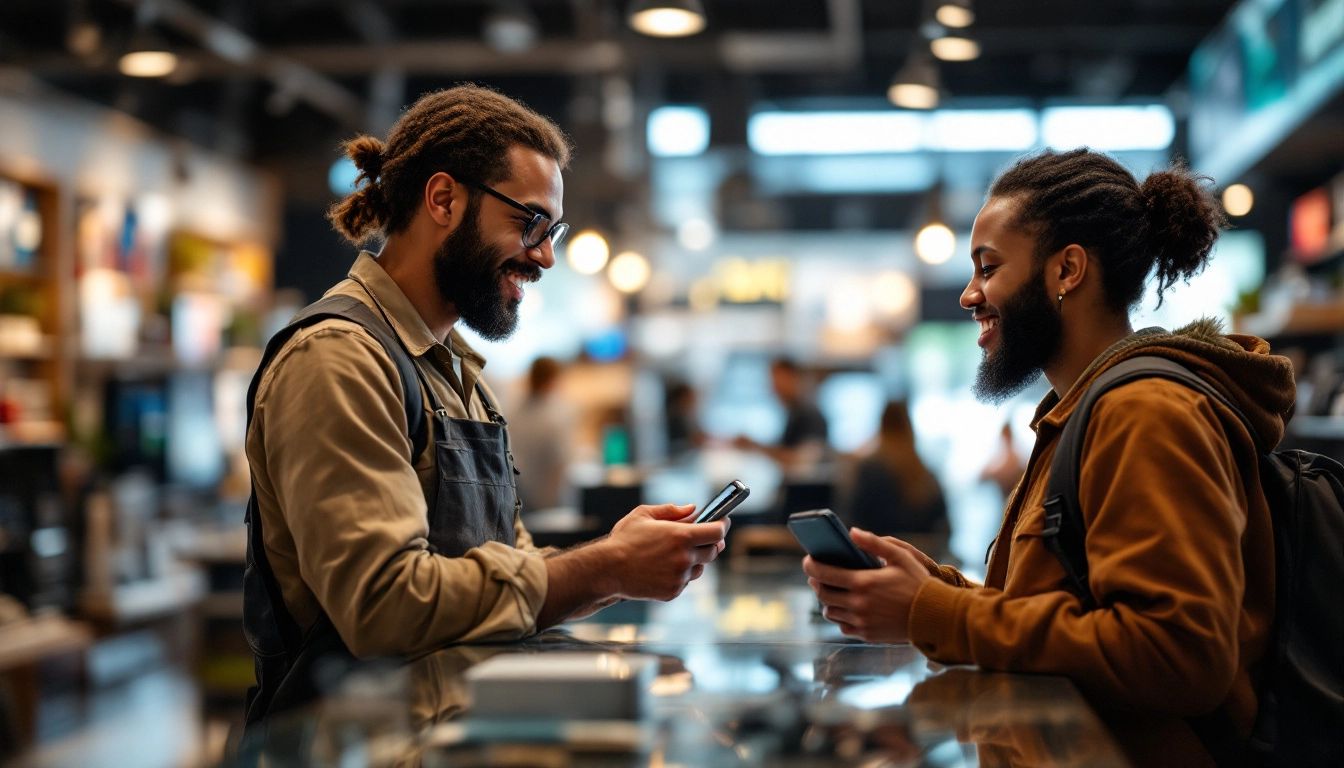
x: 342, y: 501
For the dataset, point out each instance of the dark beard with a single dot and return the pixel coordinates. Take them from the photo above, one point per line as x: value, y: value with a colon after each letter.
x: 1030, y: 332
x: 468, y: 274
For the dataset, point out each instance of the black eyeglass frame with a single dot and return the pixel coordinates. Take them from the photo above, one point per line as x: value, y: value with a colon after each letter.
x: 555, y: 232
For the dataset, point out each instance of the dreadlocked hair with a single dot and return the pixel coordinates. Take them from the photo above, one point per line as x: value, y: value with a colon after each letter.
x: 1168, y: 223
x: 466, y: 131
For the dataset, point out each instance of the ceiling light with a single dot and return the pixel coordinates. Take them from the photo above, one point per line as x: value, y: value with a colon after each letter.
x: 955, y: 13
x: 834, y: 133
x: 935, y: 243
x: 678, y: 131
x: 587, y: 252
x: 915, y: 85
x: 147, y: 55
x: 667, y: 18
x: 148, y: 63
x: 1108, y: 129
x: 955, y: 48
x: 1238, y: 200
x: 981, y: 130
x: 629, y: 272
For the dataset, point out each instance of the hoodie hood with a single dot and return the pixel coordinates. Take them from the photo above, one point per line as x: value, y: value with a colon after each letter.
x: 1241, y: 367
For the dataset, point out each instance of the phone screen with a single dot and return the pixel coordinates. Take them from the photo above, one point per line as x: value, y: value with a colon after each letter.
x: 827, y: 540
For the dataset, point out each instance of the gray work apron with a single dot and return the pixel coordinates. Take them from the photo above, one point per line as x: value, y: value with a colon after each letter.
x: 475, y: 500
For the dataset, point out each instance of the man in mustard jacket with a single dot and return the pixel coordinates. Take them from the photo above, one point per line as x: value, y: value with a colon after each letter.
x: 1179, y: 540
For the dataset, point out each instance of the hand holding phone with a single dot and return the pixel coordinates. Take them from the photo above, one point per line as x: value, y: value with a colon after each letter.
x: 827, y: 540
x: 732, y: 494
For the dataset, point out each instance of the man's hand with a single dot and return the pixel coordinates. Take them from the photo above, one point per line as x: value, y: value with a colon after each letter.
x: 657, y: 550
x: 651, y: 554
x: 871, y: 604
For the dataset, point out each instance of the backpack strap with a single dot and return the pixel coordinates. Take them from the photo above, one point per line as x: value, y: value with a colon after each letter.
x: 1065, y: 530
x: 350, y: 308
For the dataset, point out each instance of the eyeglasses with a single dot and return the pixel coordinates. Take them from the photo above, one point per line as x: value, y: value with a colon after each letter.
x: 538, y: 229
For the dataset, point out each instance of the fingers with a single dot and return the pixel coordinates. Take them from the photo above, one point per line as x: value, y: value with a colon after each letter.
x: 923, y: 559
x: 907, y: 561
x: 839, y: 615
x: 873, y: 544
x: 842, y: 578
x: 705, y: 533
x: 706, y: 554
x: 902, y: 543
x: 666, y: 511
x: 830, y: 596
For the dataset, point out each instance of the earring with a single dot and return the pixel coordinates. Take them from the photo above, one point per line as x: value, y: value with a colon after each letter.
x: 1061, y: 297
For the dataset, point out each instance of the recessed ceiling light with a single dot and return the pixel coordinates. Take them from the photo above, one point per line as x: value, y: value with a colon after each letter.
x: 955, y: 48
x: 667, y: 18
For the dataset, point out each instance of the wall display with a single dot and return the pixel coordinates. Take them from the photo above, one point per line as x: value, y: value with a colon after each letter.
x: 20, y: 227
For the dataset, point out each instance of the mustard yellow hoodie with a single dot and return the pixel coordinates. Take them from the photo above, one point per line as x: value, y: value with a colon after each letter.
x: 1179, y: 546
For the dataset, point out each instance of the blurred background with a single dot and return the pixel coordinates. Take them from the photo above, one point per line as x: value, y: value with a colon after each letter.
x: 770, y: 203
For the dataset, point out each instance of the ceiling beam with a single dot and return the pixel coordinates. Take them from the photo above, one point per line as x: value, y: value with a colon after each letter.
x: 241, y: 54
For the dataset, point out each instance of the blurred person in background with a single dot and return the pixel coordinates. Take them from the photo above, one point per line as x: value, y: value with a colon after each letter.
x: 1007, y: 466
x: 1179, y: 539
x: 682, y: 420
x: 378, y: 527
x: 803, y: 443
x: 542, y: 436
x: 894, y: 493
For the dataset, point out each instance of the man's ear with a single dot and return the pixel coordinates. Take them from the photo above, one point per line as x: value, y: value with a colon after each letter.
x: 445, y: 200
x: 1070, y: 268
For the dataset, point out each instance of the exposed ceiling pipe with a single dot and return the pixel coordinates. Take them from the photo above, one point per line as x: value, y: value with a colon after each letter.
x: 387, y: 83
x: 838, y: 50
x: 241, y: 52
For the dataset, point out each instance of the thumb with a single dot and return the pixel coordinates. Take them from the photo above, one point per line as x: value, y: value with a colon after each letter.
x: 875, y: 545
x: 669, y: 511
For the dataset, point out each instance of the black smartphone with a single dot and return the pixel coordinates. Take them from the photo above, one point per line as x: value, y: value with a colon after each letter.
x: 827, y: 540
x: 727, y: 500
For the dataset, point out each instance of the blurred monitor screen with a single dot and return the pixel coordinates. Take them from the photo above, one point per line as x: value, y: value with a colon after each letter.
x: 195, y: 455
x: 135, y: 414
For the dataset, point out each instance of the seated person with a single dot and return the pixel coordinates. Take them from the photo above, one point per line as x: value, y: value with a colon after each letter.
x: 894, y: 493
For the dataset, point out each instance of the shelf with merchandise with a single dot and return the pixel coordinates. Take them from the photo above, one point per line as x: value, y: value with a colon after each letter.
x: 33, y: 377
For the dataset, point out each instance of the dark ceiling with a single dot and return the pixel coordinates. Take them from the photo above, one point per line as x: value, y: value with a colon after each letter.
x: 322, y: 69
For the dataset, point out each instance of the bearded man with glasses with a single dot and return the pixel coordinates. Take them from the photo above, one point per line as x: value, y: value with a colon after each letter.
x: 384, y: 517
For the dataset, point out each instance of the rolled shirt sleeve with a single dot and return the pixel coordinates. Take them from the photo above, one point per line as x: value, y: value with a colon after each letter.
x: 329, y: 433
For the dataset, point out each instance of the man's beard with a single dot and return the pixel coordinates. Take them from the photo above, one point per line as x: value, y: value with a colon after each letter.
x: 1030, y: 331
x: 470, y: 277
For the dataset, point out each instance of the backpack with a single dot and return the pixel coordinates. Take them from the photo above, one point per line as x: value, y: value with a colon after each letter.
x: 1301, y: 715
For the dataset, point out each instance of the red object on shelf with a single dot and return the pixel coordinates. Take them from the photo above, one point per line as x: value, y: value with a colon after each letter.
x: 1309, y: 226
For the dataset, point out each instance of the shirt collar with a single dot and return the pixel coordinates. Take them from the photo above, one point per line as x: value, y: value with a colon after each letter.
x: 410, y: 327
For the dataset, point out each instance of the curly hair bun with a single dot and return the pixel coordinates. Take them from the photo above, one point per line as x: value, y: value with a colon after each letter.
x: 364, y: 212
x: 366, y: 152
x: 1183, y: 222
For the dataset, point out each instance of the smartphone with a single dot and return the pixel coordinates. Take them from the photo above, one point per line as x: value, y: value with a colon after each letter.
x: 727, y: 500
x: 827, y: 540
